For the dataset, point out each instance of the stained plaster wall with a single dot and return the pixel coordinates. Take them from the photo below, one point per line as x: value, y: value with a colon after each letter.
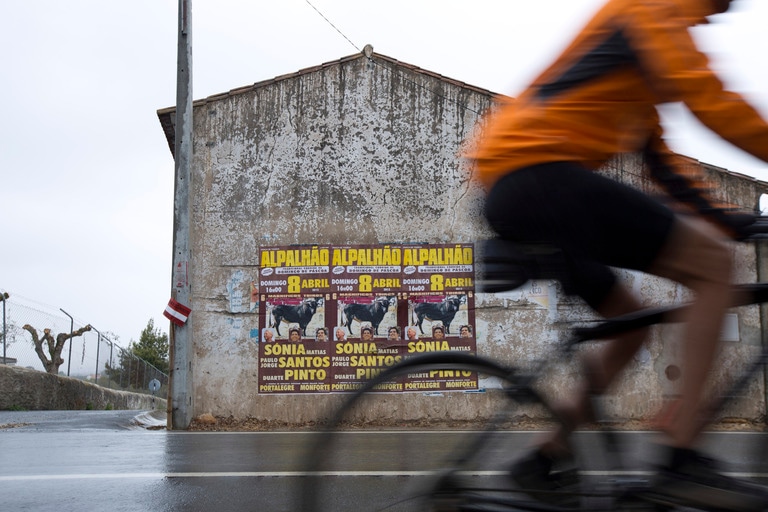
x: 365, y: 151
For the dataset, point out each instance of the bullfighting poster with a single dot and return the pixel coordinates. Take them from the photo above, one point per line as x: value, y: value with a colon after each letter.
x: 441, y: 313
x: 294, y: 351
x: 365, y: 287
x: 332, y: 317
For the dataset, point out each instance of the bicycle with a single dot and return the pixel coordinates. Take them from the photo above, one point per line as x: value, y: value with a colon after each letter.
x: 461, y: 481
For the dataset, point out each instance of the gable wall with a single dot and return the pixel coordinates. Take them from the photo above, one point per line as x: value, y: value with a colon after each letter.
x: 361, y: 153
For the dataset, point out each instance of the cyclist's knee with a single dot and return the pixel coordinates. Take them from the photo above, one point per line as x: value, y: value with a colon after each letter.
x: 696, y: 255
x: 722, y: 263
x: 618, y: 301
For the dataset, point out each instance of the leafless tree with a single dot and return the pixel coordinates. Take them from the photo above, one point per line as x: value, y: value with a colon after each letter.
x: 54, y: 347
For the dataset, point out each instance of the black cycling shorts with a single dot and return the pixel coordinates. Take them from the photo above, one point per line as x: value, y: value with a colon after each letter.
x: 597, y: 222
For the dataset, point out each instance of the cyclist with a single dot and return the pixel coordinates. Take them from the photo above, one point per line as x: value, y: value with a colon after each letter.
x: 536, y: 155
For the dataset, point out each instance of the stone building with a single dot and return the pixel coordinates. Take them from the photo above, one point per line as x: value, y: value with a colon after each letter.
x: 365, y: 150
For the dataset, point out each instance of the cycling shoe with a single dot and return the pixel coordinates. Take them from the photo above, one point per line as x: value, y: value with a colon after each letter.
x: 554, y: 481
x: 691, y: 479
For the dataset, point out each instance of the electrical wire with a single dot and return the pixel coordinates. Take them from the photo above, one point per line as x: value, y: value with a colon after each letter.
x: 398, y: 71
x: 334, y: 26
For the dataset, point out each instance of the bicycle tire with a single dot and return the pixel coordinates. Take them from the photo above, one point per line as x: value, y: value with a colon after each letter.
x: 413, y: 483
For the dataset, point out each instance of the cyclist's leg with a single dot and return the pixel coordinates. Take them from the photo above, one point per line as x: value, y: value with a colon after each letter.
x: 698, y: 257
x: 601, y: 222
x: 602, y: 366
x: 596, y: 222
x: 696, y: 254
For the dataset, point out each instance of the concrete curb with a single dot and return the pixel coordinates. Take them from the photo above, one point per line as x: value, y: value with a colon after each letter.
x: 152, y: 420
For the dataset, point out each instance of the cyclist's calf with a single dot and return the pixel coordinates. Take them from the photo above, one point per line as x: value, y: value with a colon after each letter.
x: 698, y: 257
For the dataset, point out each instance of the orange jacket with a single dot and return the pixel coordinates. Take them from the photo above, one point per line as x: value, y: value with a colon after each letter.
x: 599, y: 98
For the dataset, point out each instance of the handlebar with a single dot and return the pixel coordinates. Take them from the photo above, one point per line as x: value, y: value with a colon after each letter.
x: 758, y: 230
x: 743, y: 295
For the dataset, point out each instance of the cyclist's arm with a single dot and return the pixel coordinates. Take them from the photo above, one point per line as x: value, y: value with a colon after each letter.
x: 676, y: 70
x: 686, y: 183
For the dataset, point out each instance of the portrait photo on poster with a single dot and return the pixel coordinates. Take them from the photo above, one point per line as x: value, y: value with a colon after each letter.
x: 340, y: 333
x: 268, y: 335
x: 393, y: 333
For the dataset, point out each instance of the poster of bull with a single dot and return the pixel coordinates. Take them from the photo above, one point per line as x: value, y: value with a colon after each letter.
x: 294, y: 347
x: 441, y: 323
x: 441, y: 314
x: 366, y: 283
x: 295, y: 318
x: 440, y: 288
x: 372, y: 341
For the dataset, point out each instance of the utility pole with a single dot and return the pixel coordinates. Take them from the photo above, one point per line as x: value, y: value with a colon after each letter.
x: 180, y: 392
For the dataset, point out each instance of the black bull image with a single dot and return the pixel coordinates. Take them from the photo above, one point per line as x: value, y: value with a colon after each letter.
x: 373, y: 313
x: 443, y: 311
x: 299, y: 314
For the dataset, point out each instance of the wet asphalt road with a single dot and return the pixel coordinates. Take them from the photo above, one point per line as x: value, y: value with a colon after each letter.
x: 100, y: 460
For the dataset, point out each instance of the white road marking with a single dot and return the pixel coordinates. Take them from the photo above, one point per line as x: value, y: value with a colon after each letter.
x: 296, y: 474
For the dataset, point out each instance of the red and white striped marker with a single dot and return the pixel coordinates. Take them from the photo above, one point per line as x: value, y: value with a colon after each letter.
x: 176, y: 312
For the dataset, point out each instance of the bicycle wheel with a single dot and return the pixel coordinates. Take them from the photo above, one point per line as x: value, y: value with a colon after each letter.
x: 404, y: 469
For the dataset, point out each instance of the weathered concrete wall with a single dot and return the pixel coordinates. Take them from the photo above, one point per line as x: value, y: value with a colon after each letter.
x: 33, y: 390
x: 356, y: 151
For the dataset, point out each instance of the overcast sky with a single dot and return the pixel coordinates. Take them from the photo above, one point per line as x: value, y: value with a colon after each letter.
x: 86, y: 194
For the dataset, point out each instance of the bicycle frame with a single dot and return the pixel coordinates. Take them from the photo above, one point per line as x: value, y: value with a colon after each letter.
x: 744, y: 295
x: 521, y: 387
